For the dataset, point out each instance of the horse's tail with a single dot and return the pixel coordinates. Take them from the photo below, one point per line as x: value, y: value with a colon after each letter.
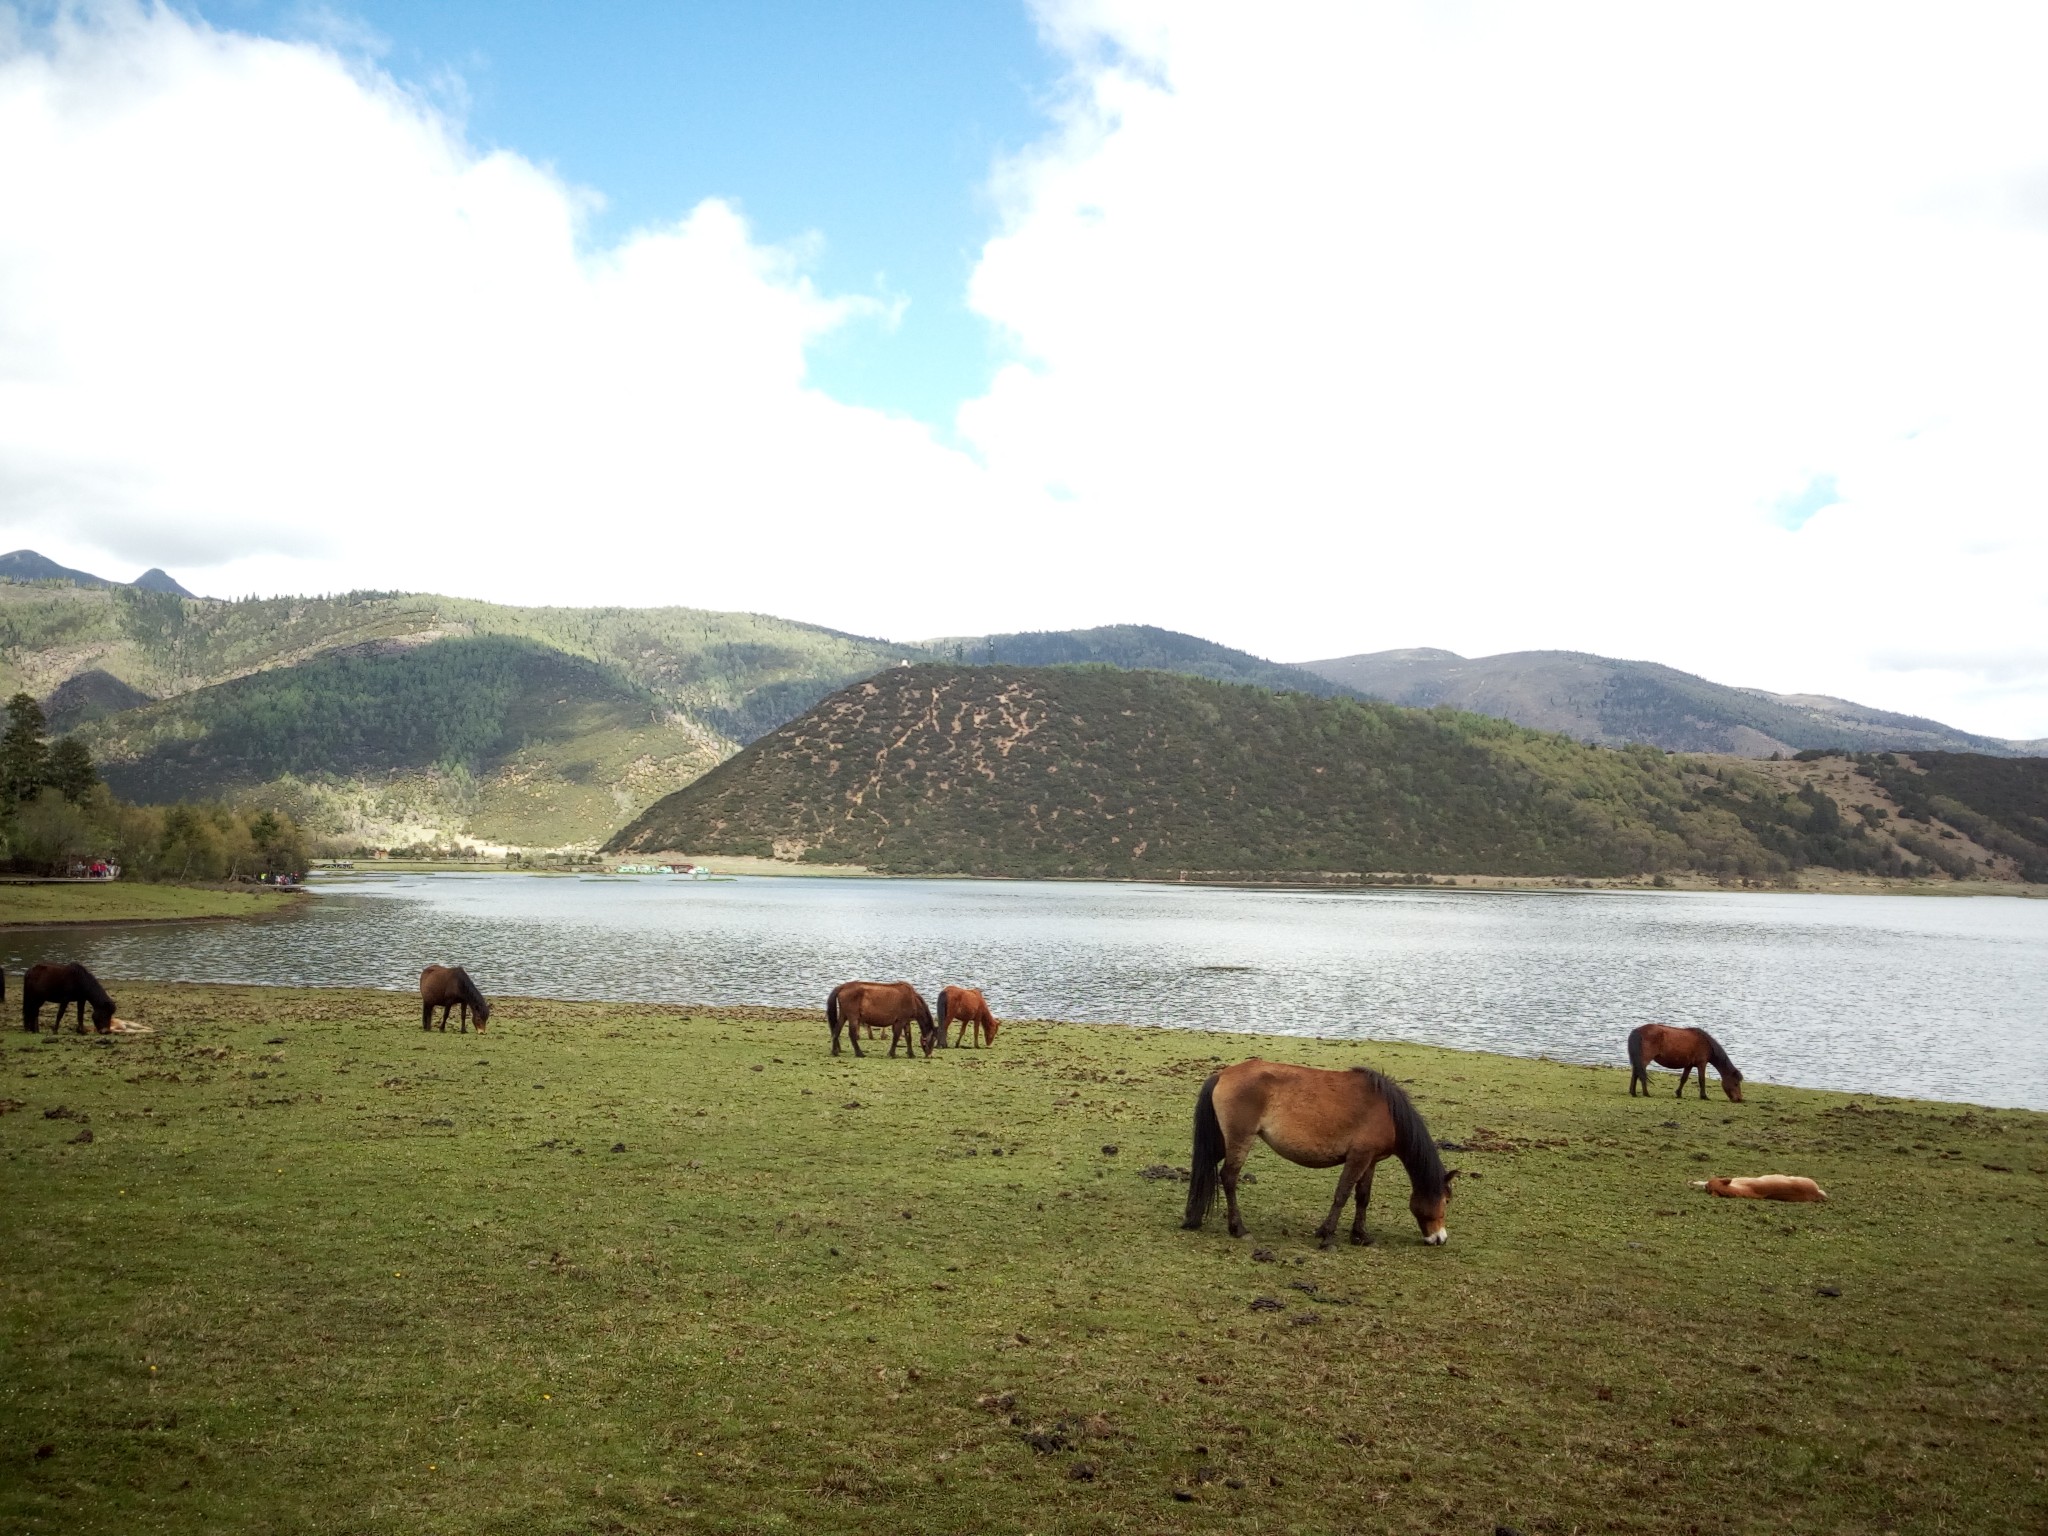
x: 1205, y: 1161
x: 945, y: 1025
x: 832, y: 1005
x: 1728, y: 1070
x: 1635, y: 1047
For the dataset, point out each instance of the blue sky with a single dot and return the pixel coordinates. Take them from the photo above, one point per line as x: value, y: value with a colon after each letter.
x: 872, y: 127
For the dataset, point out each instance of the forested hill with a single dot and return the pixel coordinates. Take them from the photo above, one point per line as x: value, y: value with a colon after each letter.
x: 1096, y: 772
x: 1138, y: 646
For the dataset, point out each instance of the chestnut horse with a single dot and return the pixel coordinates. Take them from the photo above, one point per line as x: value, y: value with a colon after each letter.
x: 971, y: 1009
x: 895, y: 1004
x: 1690, y: 1050
x: 1318, y: 1119
x: 1765, y: 1186
x: 68, y: 986
x: 448, y: 986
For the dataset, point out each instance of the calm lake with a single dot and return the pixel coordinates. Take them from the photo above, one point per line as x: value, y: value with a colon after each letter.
x: 1932, y: 997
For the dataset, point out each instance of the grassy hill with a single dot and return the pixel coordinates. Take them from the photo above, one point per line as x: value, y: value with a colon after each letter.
x: 1097, y: 772
x: 1601, y: 699
x: 396, y: 717
x: 402, y: 717
x: 519, y: 742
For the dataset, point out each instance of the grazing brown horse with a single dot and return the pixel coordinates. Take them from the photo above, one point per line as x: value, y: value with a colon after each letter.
x: 68, y: 986
x: 1318, y: 1119
x: 895, y: 1004
x: 1765, y: 1186
x: 1690, y: 1050
x: 448, y: 986
x: 971, y: 1009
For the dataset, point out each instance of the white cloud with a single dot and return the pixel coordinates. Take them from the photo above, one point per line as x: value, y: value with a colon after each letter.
x: 268, y: 317
x: 1336, y: 327
x: 1504, y: 326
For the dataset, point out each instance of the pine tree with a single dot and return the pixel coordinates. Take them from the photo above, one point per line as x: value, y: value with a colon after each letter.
x: 71, y: 771
x: 24, y: 759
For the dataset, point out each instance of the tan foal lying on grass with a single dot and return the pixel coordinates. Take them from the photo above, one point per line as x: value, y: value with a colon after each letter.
x: 1766, y: 1186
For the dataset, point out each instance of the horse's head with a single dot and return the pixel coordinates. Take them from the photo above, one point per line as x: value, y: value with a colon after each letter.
x: 103, y: 1016
x: 927, y: 1032
x: 480, y: 1015
x: 1429, y: 1214
x: 1731, y: 1084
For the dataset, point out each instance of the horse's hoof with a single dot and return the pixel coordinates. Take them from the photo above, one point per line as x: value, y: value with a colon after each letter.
x: 1361, y: 1240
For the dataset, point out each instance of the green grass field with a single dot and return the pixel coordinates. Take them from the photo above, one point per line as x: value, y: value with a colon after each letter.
x: 613, y: 1269
x: 130, y: 902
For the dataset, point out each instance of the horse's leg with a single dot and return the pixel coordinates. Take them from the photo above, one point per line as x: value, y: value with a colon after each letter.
x: 853, y: 1034
x: 1703, y: 1083
x: 465, y: 1020
x: 1683, y: 1074
x: 1233, y: 1161
x: 835, y: 1036
x: 1358, y: 1233
x: 1347, y: 1180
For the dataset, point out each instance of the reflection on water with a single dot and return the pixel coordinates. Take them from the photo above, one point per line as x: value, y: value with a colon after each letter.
x: 1940, y: 998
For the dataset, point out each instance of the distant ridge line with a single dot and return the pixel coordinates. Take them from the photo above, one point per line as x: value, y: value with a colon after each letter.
x: 1613, y: 702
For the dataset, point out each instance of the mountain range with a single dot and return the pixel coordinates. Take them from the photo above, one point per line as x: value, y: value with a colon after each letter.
x: 396, y: 718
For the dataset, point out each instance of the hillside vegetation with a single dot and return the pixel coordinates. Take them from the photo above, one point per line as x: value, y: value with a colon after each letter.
x: 400, y: 718
x: 1097, y: 772
x: 1131, y: 646
x: 397, y: 718
x: 522, y: 742
x: 1613, y: 702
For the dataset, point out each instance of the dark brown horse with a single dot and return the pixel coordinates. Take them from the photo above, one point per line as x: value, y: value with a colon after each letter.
x: 970, y: 1008
x: 1690, y: 1050
x: 68, y: 986
x: 448, y: 986
x: 895, y: 1004
x: 1320, y: 1120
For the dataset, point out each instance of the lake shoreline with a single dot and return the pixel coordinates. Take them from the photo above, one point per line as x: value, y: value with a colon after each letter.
x: 1808, y: 883
x: 28, y: 906
x: 508, y: 1005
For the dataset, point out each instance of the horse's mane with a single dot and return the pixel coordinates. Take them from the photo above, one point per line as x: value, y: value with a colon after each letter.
x: 1412, y: 1142
x: 94, y: 992
x: 1719, y: 1058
